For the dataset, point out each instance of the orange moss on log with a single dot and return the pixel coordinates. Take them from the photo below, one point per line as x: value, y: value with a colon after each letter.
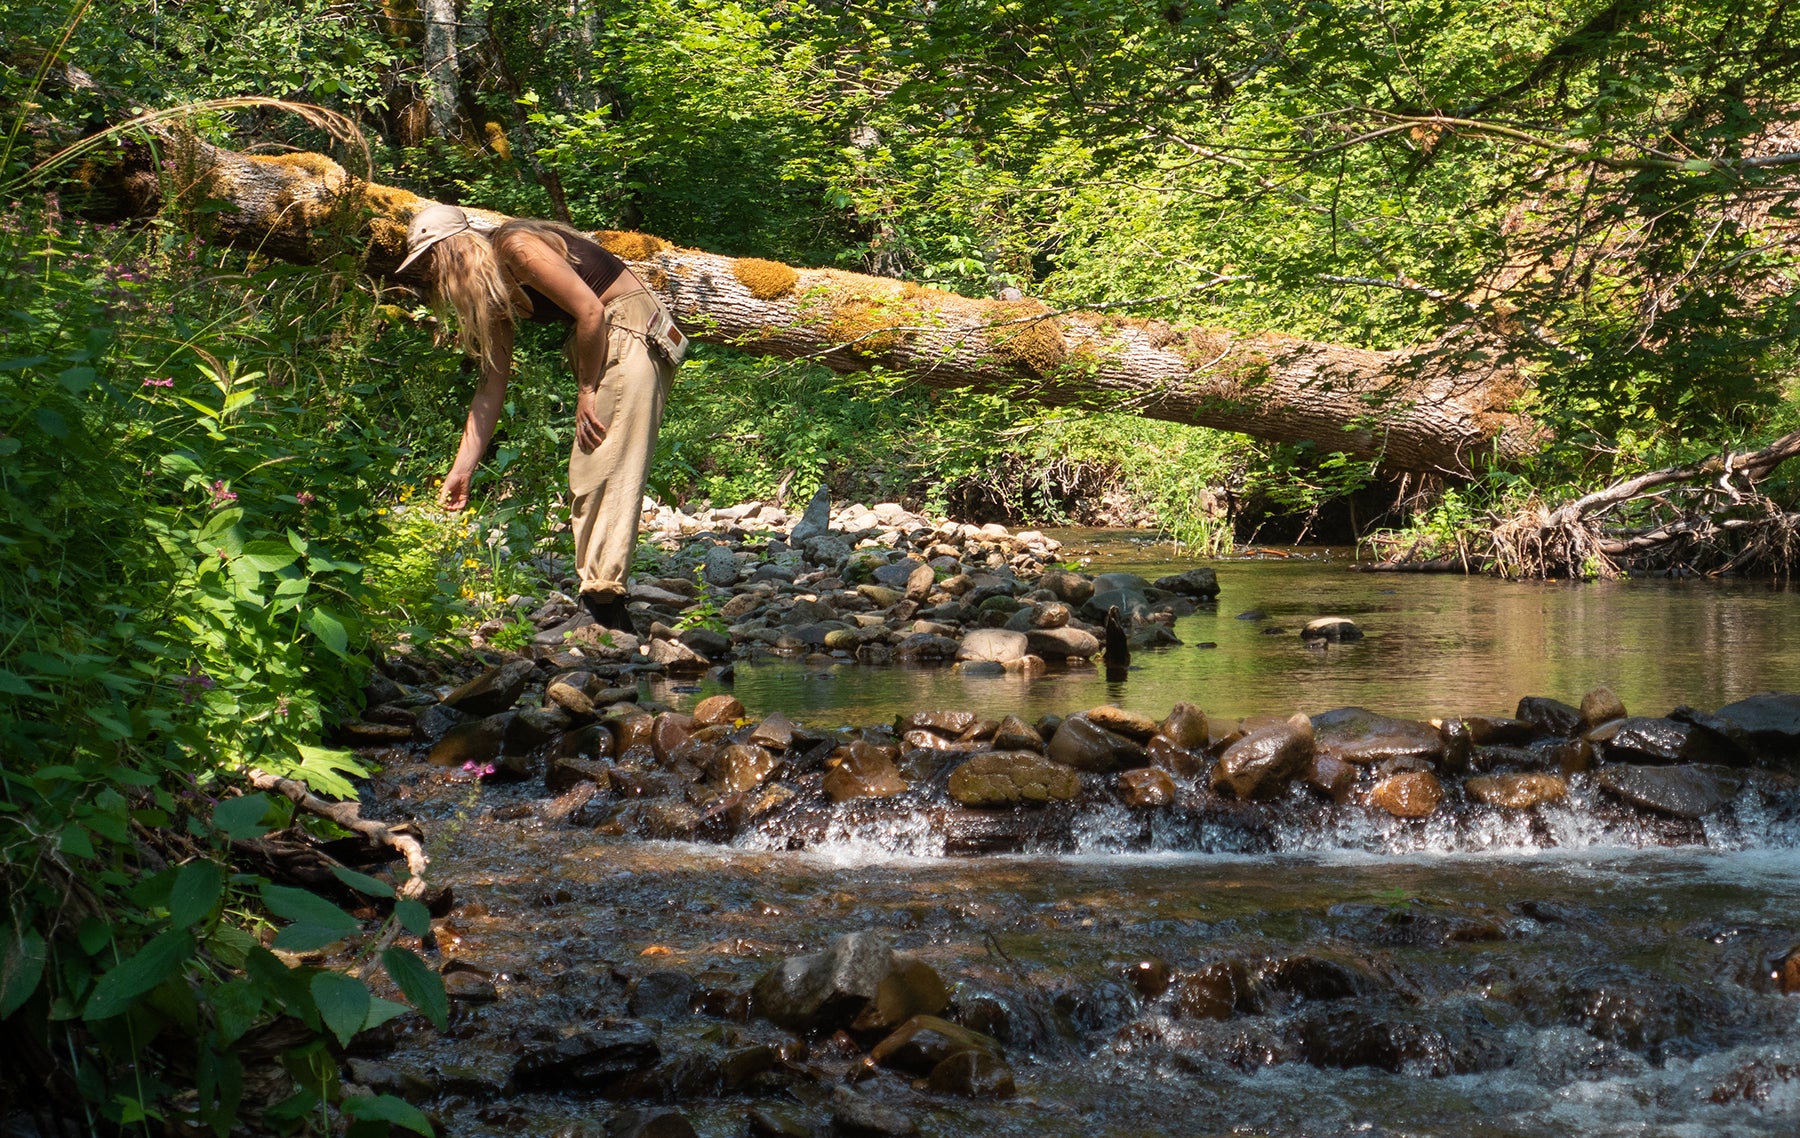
x: 1036, y: 345
x: 629, y: 244
x: 766, y: 280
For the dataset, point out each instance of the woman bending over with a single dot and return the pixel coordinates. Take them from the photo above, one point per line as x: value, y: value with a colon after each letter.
x: 535, y: 270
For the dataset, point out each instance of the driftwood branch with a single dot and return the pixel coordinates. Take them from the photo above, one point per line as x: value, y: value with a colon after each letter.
x: 349, y: 816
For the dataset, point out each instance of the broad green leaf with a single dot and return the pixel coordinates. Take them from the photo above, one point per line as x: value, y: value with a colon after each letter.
x: 419, y: 984
x: 138, y: 973
x: 74, y: 841
x: 236, y: 1004
x: 325, y: 625
x: 414, y: 917
x: 362, y: 882
x: 11, y: 684
x: 387, y: 1108
x: 343, y: 1003
x: 380, y: 1011
x: 305, y: 908
x: 242, y: 817
x: 23, y: 967
x: 269, y: 556
x: 195, y: 893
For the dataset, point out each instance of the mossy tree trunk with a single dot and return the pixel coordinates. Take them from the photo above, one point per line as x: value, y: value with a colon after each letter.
x: 1443, y: 407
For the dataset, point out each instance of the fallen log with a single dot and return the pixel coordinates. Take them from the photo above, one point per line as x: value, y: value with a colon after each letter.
x: 1443, y: 407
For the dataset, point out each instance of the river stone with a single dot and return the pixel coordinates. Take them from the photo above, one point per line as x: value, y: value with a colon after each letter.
x: 828, y: 550
x: 565, y: 771
x: 1765, y: 727
x: 742, y: 766
x: 815, y: 520
x: 589, y: 1060
x: 720, y: 568
x: 927, y: 646
x: 1014, y: 734
x: 1549, y: 716
x: 1499, y: 731
x: 1177, y: 760
x: 1261, y: 764
x: 740, y: 606
x: 1085, y: 745
x: 1131, y: 606
x: 1050, y: 614
x: 808, y: 610
x: 532, y: 727
x: 1358, y: 735
x: 1146, y: 788
x: 776, y: 732
x: 1185, y: 726
x: 1214, y: 992
x: 1128, y: 723
x: 1517, y: 791
x: 920, y: 583
x: 924, y: 1041
x: 1355, y: 1037
x: 470, y: 987
x: 494, y: 690
x: 568, y: 692
x: 972, y: 1074
x: 857, y: 982
x: 717, y: 709
x: 1639, y: 739
x: 1600, y: 706
x: 862, y: 771
x: 1333, y: 629
x: 664, y: 994
x: 880, y: 595
x: 1688, y: 791
x: 1414, y: 794
x: 676, y: 657
x: 479, y: 742
x: 948, y: 723
x: 852, y: 1113
x: 1202, y: 584
x: 1012, y: 778
x: 1125, y: 582
x: 705, y: 641
x: 669, y: 731
x: 1062, y: 643
x: 995, y: 645
x: 1331, y: 777
x: 1070, y: 588
x: 894, y: 574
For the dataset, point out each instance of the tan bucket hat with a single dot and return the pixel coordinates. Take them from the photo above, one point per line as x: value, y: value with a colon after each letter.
x: 431, y: 225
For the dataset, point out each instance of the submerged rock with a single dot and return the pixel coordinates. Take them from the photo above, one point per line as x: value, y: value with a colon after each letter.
x: 1690, y: 791
x: 1643, y: 740
x: 859, y: 982
x: 1334, y: 629
x: 1415, y: 794
x: 588, y: 1061
x: 1517, y: 791
x: 1011, y: 778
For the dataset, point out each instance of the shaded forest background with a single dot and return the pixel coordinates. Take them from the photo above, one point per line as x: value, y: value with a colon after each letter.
x: 211, y: 461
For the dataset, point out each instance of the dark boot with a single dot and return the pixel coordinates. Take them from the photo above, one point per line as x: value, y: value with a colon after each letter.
x: 609, y: 611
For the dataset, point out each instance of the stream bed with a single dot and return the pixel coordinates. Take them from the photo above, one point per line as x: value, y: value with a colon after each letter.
x: 1472, y: 975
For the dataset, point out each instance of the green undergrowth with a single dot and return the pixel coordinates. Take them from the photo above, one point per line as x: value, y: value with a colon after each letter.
x: 196, y: 450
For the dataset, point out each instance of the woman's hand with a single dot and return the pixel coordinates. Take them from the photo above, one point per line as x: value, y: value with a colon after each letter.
x: 454, y: 494
x: 590, y: 432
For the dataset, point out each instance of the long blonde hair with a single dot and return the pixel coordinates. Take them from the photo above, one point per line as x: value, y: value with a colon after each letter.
x: 469, y: 277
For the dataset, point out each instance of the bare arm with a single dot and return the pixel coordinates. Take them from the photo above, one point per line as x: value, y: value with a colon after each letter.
x: 478, y: 430
x: 534, y: 263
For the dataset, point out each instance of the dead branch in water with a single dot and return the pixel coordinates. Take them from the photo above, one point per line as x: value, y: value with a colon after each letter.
x: 1707, y: 518
x: 349, y: 816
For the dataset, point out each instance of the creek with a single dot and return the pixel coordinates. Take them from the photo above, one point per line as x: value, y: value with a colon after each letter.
x: 1472, y: 975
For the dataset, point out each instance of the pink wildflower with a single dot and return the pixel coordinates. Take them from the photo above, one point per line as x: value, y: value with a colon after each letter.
x: 164, y: 382
x: 305, y: 498
x: 220, y: 495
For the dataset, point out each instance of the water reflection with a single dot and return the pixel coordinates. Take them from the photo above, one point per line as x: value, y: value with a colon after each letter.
x: 1434, y: 645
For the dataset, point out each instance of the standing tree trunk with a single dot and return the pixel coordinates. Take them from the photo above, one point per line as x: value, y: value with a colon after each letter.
x: 1447, y: 407
x: 440, y: 64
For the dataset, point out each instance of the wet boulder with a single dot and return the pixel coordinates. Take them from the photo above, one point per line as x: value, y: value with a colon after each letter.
x: 742, y: 766
x: 862, y: 770
x: 1304, y: 976
x: 1014, y: 734
x: 677, y: 657
x: 477, y: 743
x: 1639, y: 739
x: 588, y: 1061
x: 972, y: 1074
x: 650, y: 1122
x: 664, y: 994
x: 1601, y: 706
x: 1201, y: 584
x: 1331, y: 629
x: 858, y: 982
x: 1358, y: 735
x: 1765, y: 727
x: 1012, y: 778
x: 1549, y: 716
x: 1146, y: 788
x: 1062, y: 643
x: 1121, y: 722
x: 1688, y: 791
x: 1414, y: 794
x: 1498, y: 731
x: 926, y: 647
x: 1216, y: 991
x: 852, y: 1113
x: 1085, y: 745
x: 1354, y: 1037
x: 1261, y: 764
x: 494, y: 691
x: 1517, y: 791
x: 1334, y: 778
x: 776, y: 732
x: 994, y: 645
x: 1069, y: 588
x: 718, y: 709
x: 1185, y: 726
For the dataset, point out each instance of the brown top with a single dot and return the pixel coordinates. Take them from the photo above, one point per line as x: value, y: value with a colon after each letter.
x: 597, y: 269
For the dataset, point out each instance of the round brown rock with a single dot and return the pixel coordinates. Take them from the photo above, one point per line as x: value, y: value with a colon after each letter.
x: 1128, y: 723
x: 715, y: 709
x: 1261, y: 764
x: 1412, y: 795
x: 1185, y: 726
x: 1146, y: 788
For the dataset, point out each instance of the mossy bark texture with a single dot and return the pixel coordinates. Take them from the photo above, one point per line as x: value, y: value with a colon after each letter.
x: 1442, y: 407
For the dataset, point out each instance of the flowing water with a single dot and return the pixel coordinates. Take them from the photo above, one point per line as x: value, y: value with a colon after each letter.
x: 1480, y: 975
